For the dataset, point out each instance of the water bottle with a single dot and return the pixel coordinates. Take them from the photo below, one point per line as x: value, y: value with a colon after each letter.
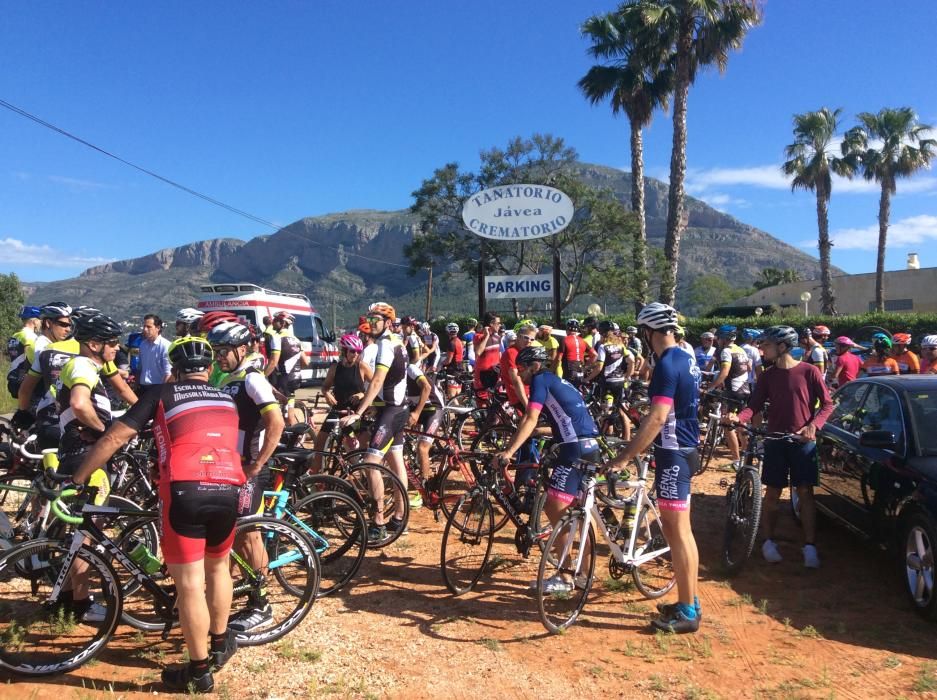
x: 629, y: 516
x: 142, y: 556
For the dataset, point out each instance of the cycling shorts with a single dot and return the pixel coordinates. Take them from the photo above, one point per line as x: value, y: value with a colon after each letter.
x: 674, y: 468
x: 430, y: 418
x: 68, y: 465
x: 741, y: 396
x: 613, y: 389
x: 486, y: 379
x: 251, y: 494
x: 388, y: 430
x: 567, y: 475
x: 196, y: 520
x: 790, y: 463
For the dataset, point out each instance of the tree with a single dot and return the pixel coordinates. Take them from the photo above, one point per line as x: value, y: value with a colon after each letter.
x: 11, y: 300
x: 708, y: 292
x: 600, y: 222
x: 772, y: 277
x: 885, y: 147
x: 702, y: 32
x: 637, y: 79
x: 811, y: 161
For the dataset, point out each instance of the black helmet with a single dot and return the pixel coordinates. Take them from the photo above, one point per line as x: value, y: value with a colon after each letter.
x: 95, y: 326
x: 230, y: 334
x: 572, y: 324
x: 780, y: 334
x: 532, y: 353
x: 605, y: 327
x: 55, y: 309
x: 80, y: 311
x: 190, y: 354
x: 590, y: 322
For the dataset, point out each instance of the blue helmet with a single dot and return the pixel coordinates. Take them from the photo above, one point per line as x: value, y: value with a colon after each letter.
x: 749, y: 334
x: 725, y: 331
x: 29, y: 312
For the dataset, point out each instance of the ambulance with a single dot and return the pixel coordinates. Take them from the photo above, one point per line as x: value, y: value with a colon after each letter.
x: 253, y: 303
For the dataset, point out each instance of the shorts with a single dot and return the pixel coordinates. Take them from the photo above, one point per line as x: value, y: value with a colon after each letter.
x: 287, y: 384
x: 567, y: 476
x: 68, y: 465
x: 251, y: 494
x: 430, y: 418
x: 673, y: 471
x: 196, y: 520
x: 742, y: 396
x: 613, y: 389
x: 790, y: 463
x: 388, y: 430
x: 486, y: 379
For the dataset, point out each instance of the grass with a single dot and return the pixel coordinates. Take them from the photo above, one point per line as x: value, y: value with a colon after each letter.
x: 618, y: 585
x: 291, y: 651
x: 891, y: 661
x: 763, y: 606
x: 490, y: 644
x: 744, y: 599
x: 13, y: 637
x: 7, y: 403
x: 810, y: 632
x: 926, y: 680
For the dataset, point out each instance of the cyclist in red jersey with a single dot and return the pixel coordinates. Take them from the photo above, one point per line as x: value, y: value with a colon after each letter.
x: 196, y: 428
x: 453, y: 359
x: 575, y: 353
x: 487, y: 344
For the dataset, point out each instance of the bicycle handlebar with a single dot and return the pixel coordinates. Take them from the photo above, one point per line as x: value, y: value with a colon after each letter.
x: 61, y: 512
x: 26, y: 453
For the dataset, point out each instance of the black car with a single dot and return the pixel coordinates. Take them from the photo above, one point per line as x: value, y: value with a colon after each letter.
x: 878, y: 473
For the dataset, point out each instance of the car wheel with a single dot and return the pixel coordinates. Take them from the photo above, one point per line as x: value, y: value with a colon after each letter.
x: 920, y: 539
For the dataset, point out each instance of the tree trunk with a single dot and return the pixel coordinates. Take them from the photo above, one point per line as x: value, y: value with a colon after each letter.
x: 884, y: 211
x: 515, y: 307
x: 826, y: 278
x: 675, y: 203
x: 639, y: 249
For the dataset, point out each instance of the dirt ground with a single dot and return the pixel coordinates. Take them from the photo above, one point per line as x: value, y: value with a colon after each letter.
x: 774, y: 631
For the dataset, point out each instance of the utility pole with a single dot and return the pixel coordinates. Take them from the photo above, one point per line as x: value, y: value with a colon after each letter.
x: 334, y: 325
x: 429, y: 294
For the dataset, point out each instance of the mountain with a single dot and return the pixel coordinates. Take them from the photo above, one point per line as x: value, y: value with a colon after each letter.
x: 338, y: 260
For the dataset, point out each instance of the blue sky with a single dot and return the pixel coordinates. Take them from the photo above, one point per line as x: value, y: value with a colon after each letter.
x: 296, y: 109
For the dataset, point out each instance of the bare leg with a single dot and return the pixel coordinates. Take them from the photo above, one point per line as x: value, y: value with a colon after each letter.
x: 394, y: 460
x: 808, y: 513
x: 684, y: 554
x: 193, y: 608
x: 769, y: 511
x: 218, y: 593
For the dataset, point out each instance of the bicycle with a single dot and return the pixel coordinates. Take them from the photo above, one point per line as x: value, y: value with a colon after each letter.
x: 636, y: 543
x: 714, y: 432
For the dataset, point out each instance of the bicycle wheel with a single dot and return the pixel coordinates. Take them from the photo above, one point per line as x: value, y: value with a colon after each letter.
x: 290, y: 563
x: 565, y: 575
x: 467, y: 427
x: 139, y: 610
x: 466, y: 541
x: 493, y: 439
x: 452, y: 486
x: 365, y: 478
x: 40, y: 637
x: 741, y: 520
x: 19, y: 510
x: 653, y: 569
x: 709, y: 447
x: 338, y: 530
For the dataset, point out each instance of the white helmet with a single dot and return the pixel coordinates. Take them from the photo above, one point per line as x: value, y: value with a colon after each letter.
x: 929, y: 341
x: 189, y: 315
x: 657, y: 316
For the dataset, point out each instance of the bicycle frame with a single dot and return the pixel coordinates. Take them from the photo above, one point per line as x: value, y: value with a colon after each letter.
x: 278, y: 506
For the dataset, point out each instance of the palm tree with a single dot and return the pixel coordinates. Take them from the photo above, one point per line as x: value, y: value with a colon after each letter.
x: 703, y: 32
x: 886, y: 146
x: 638, y: 79
x: 812, y: 162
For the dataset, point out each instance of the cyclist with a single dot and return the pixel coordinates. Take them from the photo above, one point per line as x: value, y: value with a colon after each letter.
x: 679, y: 335
x: 17, y: 344
x: 929, y: 354
x: 410, y: 337
x: 706, y: 355
x: 431, y: 353
x: 390, y: 381
x: 56, y: 326
x: 672, y: 426
x: 749, y: 336
x: 343, y: 388
x: 614, y: 365
x: 551, y: 345
x: 515, y: 388
x: 187, y: 321
x: 291, y: 361
x: 453, y: 359
x: 272, y: 344
x: 426, y: 404
x: 908, y: 362
x: 733, y: 377
x: 575, y: 354
x: 487, y: 344
x: 814, y: 353
x: 204, y: 326
x: 847, y: 363
x: 591, y: 333
x: 879, y: 361
x: 800, y: 404
x: 198, y: 492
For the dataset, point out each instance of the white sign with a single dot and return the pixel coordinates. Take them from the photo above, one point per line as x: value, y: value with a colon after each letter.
x: 518, y: 286
x: 517, y: 212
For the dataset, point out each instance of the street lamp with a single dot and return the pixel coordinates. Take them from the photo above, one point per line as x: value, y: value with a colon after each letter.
x: 805, y: 297
x: 759, y: 311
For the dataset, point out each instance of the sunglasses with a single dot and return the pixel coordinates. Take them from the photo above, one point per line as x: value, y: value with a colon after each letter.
x: 524, y: 337
x: 63, y: 324
x: 352, y: 351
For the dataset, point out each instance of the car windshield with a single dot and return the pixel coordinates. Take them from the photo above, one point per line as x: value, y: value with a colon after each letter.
x: 924, y: 414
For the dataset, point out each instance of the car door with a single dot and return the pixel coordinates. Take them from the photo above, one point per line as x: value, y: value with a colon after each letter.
x: 839, y: 494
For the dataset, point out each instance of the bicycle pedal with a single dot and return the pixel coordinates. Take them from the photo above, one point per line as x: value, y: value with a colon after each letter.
x: 723, y: 484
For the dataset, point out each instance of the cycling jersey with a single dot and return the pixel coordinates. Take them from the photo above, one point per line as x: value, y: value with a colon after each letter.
x: 754, y: 362
x: 431, y: 340
x: 508, y: 362
x: 674, y: 383
x: 816, y: 355
x: 704, y: 356
x: 414, y: 345
x: 271, y: 341
x: 455, y: 355
x: 738, y: 363
x: 253, y: 397
x: 614, y: 358
x: 392, y: 357
x: 85, y: 372
x: 290, y: 365
x: 873, y: 366
x: 369, y: 358
x: 415, y: 379
x: 16, y: 345
x: 908, y: 362
x: 574, y: 355
x: 566, y: 411
x: 256, y: 360
x: 850, y: 365
x: 49, y: 364
x: 196, y: 430
x: 489, y: 356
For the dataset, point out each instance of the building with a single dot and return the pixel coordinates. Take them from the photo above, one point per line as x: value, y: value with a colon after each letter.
x: 912, y: 289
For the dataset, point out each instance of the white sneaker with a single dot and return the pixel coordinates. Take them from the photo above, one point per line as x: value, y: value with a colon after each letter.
x: 97, y: 613
x: 769, y: 551
x: 811, y: 558
x: 556, y: 584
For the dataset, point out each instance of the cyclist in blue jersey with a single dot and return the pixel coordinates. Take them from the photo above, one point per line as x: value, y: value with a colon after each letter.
x: 673, y: 428
x: 573, y: 428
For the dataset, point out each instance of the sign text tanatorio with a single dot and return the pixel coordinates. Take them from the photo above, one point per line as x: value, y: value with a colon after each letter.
x: 517, y: 212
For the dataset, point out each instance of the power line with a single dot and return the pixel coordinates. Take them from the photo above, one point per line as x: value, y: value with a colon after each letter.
x: 211, y: 200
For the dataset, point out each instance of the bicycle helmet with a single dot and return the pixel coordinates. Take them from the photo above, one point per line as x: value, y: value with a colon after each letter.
x: 901, y: 338
x: 213, y: 318
x: 821, y: 331
x: 452, y: 328
x: 363, y: 325
x: 750, y: 334
x: 679, y: 331
x: 708, y: 335
x: 881, y: 342
x: 230, y: 334
x: 657, y: 316
x: 726, y: 331
x: 382, y: 309
x: 572, y: 324
x: 845, y: 340
x: 805, y: 333
x: 28, y: 312
x: 616, y: 328
x: 605, y: 327
x: 780, y: 334
x: 425, y: 327
x: 350, y: 341
x: 284, y: 316
x: 409, y: 321
x: 188, y: 315
x: 631, y: 330
x: 190, y: 354
x: 509, y: 337
x: 95, y: 326
x: 531, y: 354
x: 80, y: 311
x: 55, y: 309
x: 590, y: 322
x: 929, y: 341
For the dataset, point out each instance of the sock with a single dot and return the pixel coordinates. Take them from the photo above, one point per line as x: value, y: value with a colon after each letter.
x: 696, y: 605
x: 689, y: 612
x: 199, y: 668
x: 219, y: 642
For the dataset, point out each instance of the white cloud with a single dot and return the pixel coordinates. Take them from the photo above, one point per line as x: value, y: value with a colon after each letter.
x: 77, y: 185
x: 911, y: 231
x: 15, y: 252
x: 721, y: 201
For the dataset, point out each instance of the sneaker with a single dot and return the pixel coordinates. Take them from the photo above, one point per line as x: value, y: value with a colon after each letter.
x: 376, y: 534
x: 250, y: 618
x: 676, y: 622
x: 184, y: 680
x: 668, y: 609
x: 555, y: 584
x: 769, y: 550
x: 811, y: 558
x: 221, y: 657
x: 416, y: 501
x: 398, y: 525
x: 97, y: 612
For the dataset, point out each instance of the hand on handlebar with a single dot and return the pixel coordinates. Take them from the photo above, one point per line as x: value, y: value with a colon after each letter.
x: 808, y: 433
x: 349, y: 420
x: 22, y: 419
x: 503, y: 457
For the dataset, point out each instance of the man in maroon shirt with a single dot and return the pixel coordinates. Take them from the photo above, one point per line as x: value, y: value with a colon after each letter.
x: 847, y: 363
x: 800, y: 404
